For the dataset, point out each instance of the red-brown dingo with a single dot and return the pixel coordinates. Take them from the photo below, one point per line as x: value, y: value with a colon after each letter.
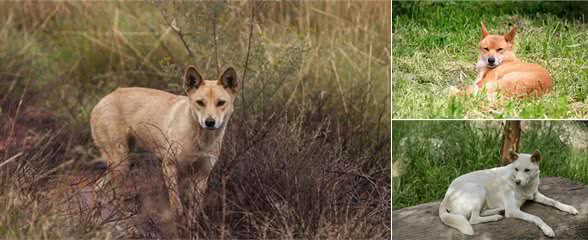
x: 500, y: 72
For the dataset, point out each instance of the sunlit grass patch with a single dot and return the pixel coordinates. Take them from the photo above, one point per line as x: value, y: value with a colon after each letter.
x: 435, y: 47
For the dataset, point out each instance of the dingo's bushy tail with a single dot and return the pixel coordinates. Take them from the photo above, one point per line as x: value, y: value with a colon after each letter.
x: 456, y: 221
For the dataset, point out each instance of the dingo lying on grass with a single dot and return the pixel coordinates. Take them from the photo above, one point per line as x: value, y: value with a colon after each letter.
x: 482, y: 195
x: 500, y: 72
x: 176, y: 128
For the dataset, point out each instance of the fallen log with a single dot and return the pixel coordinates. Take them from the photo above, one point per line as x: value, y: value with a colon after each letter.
x: 422, y: 221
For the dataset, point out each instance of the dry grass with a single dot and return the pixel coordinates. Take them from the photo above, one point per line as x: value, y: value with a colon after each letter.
x: 307, y: 152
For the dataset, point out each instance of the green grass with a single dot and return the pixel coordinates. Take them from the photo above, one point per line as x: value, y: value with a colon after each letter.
x: 433, y: 153
x: 435, y: 47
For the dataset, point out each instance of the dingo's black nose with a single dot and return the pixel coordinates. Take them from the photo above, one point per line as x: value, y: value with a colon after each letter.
x: 491, y: 60
x: 518, y: 182
x: 209, y: 122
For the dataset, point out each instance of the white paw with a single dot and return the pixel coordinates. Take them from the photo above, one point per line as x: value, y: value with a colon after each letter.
x: 548, y: 231
x: 571, y: 210
x: 498, y: 217
x: 468, y: 231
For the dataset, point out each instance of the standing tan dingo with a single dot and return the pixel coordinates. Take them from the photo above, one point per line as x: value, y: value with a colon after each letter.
x: 178, y: 129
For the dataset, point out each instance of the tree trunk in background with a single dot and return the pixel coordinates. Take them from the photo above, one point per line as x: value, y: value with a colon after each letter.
x: 510, y: 140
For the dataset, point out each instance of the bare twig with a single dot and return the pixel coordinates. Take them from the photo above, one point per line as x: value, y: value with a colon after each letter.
x: 256, y: 138
x: 339, y: 87
x: 24, y: 91
x: 243, y: 110
x: 177, y: 30
x: 263, y: 89
x: 214, y: 29
x: 185, y: 44
x: 224, y: 206
x: 11, y: 159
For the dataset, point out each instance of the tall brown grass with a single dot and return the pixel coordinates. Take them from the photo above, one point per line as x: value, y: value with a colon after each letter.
x: 307, y: 153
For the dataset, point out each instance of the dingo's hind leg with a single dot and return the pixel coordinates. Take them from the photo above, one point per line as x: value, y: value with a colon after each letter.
x: 115, y: 149
x: 475, y: 218
x: 493, y: 211
x: 469, y: 200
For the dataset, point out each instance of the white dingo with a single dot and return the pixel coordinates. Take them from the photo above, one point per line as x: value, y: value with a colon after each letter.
x: 482, y: 195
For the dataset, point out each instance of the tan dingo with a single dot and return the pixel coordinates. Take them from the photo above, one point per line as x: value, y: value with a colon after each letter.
x: 501, y: 72
x: 178, y: 129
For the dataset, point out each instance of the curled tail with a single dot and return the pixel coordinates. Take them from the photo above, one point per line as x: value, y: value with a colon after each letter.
x: 456, y: 221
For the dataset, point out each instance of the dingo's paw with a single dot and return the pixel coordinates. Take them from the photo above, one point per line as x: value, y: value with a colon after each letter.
x: 571, y: 210
x: 453, y: 91
x: 547, y: 231
x: 469, y: 230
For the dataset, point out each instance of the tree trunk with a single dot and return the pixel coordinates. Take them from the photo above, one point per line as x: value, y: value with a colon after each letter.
x: 422, y: 221
x: 510, y: 140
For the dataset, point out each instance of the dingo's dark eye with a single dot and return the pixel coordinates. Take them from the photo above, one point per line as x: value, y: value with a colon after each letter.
x: 516, y: 169
x: 486, y: 49
x: 526, y: 170
x: 220, y: 103
x: 500, y: 49
x: 200, y: 102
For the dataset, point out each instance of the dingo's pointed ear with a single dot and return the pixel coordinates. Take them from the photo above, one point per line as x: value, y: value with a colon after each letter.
x: 512, y: 155
x: 192, y: 79
x: 229, y: 79
x: 536, y: 157
x: 509, y: 37
x: 484, y: 31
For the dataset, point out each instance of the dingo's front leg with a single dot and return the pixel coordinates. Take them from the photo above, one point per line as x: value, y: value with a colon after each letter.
x: 518, y: 214
x: 479, y: 78
x: 540, y: 198
x: 169, y: 168
x: 199, y: 170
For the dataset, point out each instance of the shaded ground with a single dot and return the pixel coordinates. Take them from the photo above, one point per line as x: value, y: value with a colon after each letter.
x: 134, y: 210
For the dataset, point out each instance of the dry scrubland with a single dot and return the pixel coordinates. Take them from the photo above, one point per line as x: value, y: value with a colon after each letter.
x: 307, y: 152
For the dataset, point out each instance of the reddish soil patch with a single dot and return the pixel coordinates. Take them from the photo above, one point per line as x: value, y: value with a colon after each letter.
x: 32, y: 125
x: 137, y: 204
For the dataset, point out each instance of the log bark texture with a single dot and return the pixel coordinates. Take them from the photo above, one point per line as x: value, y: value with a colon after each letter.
x: 422, y: 221
x: 510, y: 140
